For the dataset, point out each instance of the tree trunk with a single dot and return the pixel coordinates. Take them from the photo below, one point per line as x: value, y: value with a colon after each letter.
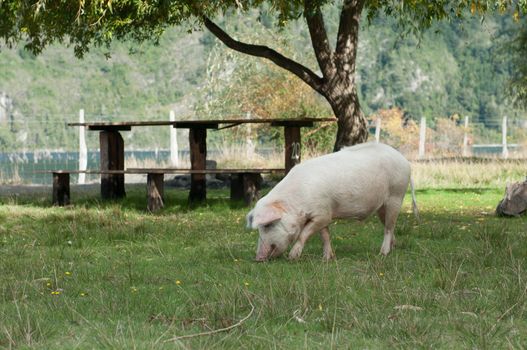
x: 341, y: 91
x: 352, y: 127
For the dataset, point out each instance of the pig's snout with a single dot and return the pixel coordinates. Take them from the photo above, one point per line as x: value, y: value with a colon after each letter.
x: 265, y: 251
x: 261, y: 258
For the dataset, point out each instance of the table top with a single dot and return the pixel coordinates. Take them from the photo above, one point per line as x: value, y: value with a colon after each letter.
x: 203, y: 124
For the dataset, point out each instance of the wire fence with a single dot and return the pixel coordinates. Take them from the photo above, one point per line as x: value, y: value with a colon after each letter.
x: 451, y: 137
x: 57, y: 146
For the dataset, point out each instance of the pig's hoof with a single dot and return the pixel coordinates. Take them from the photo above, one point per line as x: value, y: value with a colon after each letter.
x: 328, y: 256
x: 295, y: 252
x: 385, y: 251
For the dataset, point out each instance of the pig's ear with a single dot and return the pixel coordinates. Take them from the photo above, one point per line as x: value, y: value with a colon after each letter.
x: 268, y: 214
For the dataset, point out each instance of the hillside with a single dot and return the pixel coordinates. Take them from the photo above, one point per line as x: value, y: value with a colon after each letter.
x: 48, y: 90
x: 453, y: 69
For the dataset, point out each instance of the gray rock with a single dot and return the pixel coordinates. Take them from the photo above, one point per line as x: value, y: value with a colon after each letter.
x: 215, y: 184
x: 211, y: 164
x: 514, y: 203
x: 180, y: 181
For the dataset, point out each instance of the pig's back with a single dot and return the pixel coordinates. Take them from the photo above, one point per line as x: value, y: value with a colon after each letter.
x: 352, y: 182
x: 361, y: 163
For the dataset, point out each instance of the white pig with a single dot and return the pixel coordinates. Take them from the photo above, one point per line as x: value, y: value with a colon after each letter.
x: 352, y: 183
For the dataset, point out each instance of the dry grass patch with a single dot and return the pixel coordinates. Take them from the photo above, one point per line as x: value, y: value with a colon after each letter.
x: 467, y: 173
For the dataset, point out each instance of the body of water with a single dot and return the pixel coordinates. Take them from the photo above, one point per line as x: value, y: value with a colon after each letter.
x: 28, y: 167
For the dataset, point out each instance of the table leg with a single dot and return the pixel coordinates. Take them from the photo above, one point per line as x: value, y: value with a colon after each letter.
x: 292, y: 147
x: 112, y: 158
x: 198, y: 156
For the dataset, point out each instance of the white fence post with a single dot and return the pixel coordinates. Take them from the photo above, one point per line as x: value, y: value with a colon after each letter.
x: 422, y: 138
x: 378, y: 129
x: 83, y: 150
x: 504, y: 149
x: 465, y: 138
x: 174, y: 156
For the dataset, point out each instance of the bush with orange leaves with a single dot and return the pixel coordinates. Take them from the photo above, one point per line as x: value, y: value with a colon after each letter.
x: 397, y: 131
x: 444, y: 140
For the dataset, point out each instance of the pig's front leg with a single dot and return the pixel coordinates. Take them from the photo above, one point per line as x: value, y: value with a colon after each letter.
x: 328, y: 252
x: 309, y: 229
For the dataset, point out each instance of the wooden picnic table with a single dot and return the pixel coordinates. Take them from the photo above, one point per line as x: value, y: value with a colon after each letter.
x: 112, y: 147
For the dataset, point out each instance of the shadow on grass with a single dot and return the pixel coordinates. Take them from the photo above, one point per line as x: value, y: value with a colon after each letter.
x: 176, y: 200
x: 475, y: 190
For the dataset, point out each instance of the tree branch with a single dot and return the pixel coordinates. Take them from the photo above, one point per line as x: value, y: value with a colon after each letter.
x: 319, y: 39
x: 304, y: 73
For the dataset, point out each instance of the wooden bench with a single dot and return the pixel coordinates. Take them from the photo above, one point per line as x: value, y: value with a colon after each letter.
x: 61, y: 183
x: 245, y: 183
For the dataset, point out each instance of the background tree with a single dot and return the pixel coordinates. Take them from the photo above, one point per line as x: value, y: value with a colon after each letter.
x: 518, y: 50
x: 99, y: 22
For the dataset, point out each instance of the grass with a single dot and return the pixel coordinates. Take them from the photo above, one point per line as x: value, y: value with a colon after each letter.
x: 109, y: 275
x: 467, y: 172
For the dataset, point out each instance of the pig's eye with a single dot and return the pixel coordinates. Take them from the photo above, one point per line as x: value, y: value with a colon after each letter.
x: 268, y: 226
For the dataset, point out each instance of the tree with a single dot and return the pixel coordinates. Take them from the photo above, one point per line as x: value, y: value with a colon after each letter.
x: 98, y: 22
x: 517, y: 88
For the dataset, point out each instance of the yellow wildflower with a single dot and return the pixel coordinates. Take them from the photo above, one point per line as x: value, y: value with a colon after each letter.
x: 178, y: 282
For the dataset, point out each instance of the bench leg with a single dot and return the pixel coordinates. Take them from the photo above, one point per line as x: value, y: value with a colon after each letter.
x: 236, y: 187
x: 246, y: 187
x: 155, y: 192
x: 112, y: 158
x: 61, y: 189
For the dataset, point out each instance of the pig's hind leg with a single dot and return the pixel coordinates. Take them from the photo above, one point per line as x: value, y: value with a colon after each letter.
x: 309, y: 229
x: 328, y: 252
x: 388, y: 215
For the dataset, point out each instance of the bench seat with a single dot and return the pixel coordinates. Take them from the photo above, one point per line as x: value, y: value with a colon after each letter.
x: 245, y: 183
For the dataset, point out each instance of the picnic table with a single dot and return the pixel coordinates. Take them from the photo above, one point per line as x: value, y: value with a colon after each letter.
x: 112, y: 147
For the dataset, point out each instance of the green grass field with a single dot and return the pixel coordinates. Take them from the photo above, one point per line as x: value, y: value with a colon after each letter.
x: 109, y: 275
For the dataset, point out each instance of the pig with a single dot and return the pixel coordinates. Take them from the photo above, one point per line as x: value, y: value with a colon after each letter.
x: 515, y: 201
x: 351, y: 183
